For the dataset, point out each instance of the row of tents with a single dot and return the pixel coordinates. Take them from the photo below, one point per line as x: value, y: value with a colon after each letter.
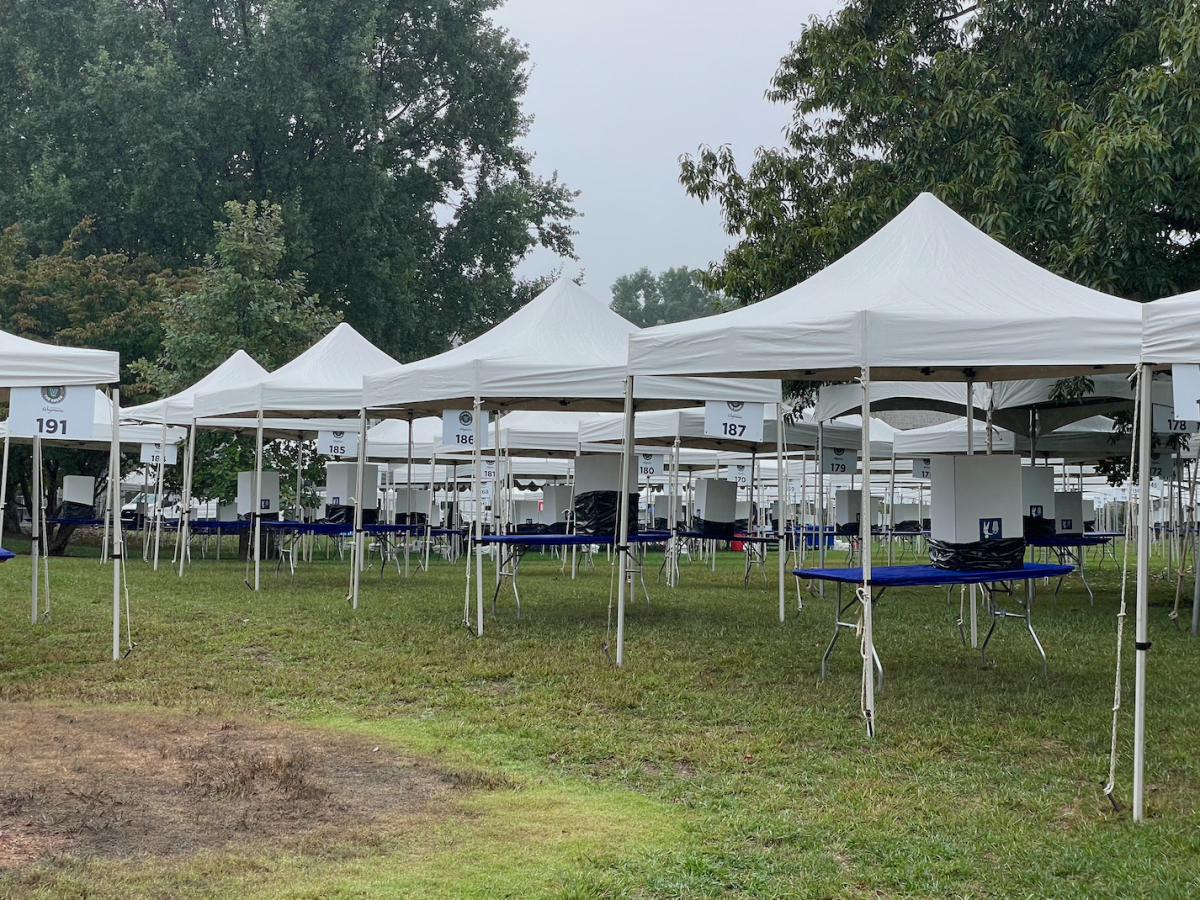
x: 929, y: 302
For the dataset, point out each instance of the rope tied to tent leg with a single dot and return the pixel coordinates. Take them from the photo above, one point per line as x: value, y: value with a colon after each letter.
x: 1122, y: 611
x: 612, y: 580
x: 865, y: 652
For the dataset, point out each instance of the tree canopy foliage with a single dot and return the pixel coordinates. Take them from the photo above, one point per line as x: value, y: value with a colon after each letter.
x: 242, y: 301
x: 1068, y: 129
x: 387, y: 130
x: 675, y: 295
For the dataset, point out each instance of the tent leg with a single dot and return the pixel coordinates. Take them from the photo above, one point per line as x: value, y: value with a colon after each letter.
x: 1141, y: 644
x: 114, y: 470
x: 868, y: 634
x: 159, y: 495
x: 256, y: 513
x: 971, y: 450
x: 478, y: 520
x: 356, y: 550
x: 623, y: 536
x: 35, y: 527
x: 185, y: 508
x: 781, y: 482
x: 3, y: 488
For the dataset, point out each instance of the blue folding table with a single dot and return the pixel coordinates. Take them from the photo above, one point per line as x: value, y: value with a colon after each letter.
x: 1072, y: 547
x: 884, y: 577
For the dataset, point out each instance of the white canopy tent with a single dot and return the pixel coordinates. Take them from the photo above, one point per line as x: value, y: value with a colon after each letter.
x: 1086, y: 440
x: 323, y: 381
x: 26, y: 363
x: 927, y: 297
x: 564, y: 350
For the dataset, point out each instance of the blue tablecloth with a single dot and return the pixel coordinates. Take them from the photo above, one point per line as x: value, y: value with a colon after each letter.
x: 912, y: 576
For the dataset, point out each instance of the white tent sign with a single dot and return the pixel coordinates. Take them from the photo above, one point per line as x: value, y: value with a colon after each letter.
x: 1185, y: 385
x: 739, y: 475
x: 734, y: 419
x: 458, y: 427
x: 923, y: 468
x: 52, y: 412
x: 650, y: 465
x: 151, y: 453
x: 1166, y: 423
x: 337, y: 443
x: 838, y: 461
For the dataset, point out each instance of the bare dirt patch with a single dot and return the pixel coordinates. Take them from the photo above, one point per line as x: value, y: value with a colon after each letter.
x: 115, y: 783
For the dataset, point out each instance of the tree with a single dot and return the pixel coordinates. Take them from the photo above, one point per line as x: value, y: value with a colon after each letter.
x: 676, y: 295
x: 1068, y: 130
x: 243, y: 301
x: 388, y: 130
x: 109, y: 301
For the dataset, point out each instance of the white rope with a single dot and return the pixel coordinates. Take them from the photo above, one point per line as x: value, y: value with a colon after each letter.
x: 1110, y: 785
x: 865, y: 653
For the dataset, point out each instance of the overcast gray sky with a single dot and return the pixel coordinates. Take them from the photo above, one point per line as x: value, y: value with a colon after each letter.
x: 620, y: 88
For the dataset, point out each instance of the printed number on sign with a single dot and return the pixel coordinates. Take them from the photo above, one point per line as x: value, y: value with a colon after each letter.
x: 52, y: 426
x: 1177, y: 426
x: 337, y: 449
x: 837, y: 468
x: 732, y: 429
x: 467, y: 439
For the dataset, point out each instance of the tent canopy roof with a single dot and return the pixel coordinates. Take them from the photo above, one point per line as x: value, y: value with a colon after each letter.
x: 323, y: 381
x: 178, y: 409
x: 1169, y: 331
x: 562, y: 350
x: 928, y: 296
x: 26, y: 363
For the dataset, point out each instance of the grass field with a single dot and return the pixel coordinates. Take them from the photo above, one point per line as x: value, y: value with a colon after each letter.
x: 716, y: 763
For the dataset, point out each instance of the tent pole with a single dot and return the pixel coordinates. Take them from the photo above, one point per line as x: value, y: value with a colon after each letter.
x: 623, y: 535
x: 429, y: 507
x: 299, y: 476
x: 868, y: 634
x: 3, y: 487
x: 159, y: 494
x: 408, y: 513
x: 971, y: 452
x: 780, y: 522
x: 891, y: 505
x: 185, y: 508
x: 256, y: 512
x: 821, y: 504
x: 114, y: 469
x: 35, y: 526
x: 1141, y: 644
x: 357, y: 541
x: 478, y: 521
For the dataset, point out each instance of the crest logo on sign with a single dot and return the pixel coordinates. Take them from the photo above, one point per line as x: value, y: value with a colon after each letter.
x: 838, y: 451
x: 465, y: 418
x: 54, y: 394
x: 647, y: 456
x: 735, y: 405
x: 338, y: 435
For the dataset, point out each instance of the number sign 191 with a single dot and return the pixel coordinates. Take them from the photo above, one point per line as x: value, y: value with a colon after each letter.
x: 54, y: 413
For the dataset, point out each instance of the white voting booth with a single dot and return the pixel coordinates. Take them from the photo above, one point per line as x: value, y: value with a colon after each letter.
x: 1068, y: 512
x: 975, y: 498
x: 1037, y: 492
x: 715, y: 507
x: 80, y: 489
x: 268, y: 500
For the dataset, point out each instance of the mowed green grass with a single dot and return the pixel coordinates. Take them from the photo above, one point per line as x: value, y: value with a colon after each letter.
x: 715, y: 763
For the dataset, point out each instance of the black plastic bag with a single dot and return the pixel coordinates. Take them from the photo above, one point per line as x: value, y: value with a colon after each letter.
x: 596, y: 513
x: 978, y: 556
x: 721, y: 531
x: 1038, y: 526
